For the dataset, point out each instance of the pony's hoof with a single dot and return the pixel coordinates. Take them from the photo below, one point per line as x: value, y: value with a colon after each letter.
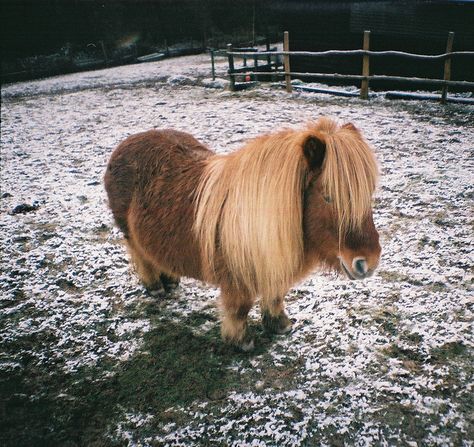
x: 247, y: 345
x: 282, y: 330
x: 169, y: 283
x: 156, y: 290
x: 280, y: 324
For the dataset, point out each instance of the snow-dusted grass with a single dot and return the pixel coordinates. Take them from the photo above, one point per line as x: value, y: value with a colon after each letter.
x: 87, y: 358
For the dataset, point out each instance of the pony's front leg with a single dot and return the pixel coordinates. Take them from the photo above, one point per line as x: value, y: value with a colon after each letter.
x: 234, y: 328
x: 169, y: 282
x: 274, y: 318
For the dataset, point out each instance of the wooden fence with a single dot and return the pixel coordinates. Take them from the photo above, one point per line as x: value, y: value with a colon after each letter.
x: 364, y: 77
x: 271, y: 61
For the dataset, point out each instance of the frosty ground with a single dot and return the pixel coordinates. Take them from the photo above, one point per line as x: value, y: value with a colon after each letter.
x: 87, y: 358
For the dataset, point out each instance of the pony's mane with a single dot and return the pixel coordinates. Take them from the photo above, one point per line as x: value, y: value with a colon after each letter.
x: 249, y: 204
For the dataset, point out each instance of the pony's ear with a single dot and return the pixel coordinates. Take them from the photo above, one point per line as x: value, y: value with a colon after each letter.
x: 350, y: 126
x: 314, y: 150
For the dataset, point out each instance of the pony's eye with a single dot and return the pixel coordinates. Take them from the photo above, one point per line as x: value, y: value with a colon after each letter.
x: 327, y: 199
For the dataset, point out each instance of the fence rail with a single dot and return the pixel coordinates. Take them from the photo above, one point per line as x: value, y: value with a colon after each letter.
x: 338, y: 76
x: 365, y: 77
x: 356, y: 53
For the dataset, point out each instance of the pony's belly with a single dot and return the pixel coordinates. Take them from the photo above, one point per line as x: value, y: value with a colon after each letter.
x: 166, y: 238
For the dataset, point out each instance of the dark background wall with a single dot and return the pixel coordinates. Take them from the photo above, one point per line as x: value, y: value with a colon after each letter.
x: 73, y: 29
x: 31, y: 27
x: 415, y: 26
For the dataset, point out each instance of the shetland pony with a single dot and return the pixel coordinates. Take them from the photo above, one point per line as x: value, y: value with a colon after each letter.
x: 253, y: 222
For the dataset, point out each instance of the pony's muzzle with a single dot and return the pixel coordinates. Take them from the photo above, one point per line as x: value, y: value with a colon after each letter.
x: 359, y: 268
x: 359, y: 265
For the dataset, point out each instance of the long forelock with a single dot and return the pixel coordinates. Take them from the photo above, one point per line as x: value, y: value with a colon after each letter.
x: 349, y: 175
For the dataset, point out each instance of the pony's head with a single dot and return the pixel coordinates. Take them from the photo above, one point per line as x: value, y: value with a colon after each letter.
x: 341, y: 179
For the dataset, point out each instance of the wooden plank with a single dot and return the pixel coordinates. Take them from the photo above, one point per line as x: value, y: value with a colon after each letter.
x: 418, y: 96
x: 254, y: 70
x: 360, y: 53
x: 325, y: 91
x: 364, y: 85
x: 286, y: 61
x: 151, y: 57
x: 447, y: 67
x: 414, y: 80
x: 466, y: 84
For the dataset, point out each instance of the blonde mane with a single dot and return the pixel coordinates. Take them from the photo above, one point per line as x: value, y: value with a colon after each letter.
x: 249, y: 204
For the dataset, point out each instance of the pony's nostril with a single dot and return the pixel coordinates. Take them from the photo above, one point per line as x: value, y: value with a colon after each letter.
x: 360, y: 266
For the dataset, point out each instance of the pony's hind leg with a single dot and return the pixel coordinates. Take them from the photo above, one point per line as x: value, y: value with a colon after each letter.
x: 149, y: 275
x: 234, y: 328
x: 274, y: 318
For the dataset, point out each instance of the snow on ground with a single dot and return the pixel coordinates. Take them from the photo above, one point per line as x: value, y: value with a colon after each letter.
x: 387, y: 361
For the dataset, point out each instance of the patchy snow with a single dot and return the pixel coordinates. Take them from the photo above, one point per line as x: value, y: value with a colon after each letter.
x: 387, y: 361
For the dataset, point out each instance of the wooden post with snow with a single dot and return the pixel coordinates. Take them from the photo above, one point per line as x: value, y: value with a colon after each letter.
x: 230, y: 56
x: 364, y: 85
x: 286, y: 61
x: 447, y: 67
x: 213, y: 65
x: 267, y: 49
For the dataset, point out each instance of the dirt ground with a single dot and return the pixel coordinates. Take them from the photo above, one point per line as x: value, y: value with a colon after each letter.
x: 87, y: 358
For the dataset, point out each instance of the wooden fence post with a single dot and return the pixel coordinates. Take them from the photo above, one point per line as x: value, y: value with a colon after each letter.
x: 104, y: 51
x: 231, y: 67
x: 286, y: 61
x: 267, y: 49
x: 213, y: 65
x: 364, y: 85
x: 447, y: 67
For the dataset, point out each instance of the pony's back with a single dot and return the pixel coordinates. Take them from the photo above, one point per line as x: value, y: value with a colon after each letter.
x: 140, y: 160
